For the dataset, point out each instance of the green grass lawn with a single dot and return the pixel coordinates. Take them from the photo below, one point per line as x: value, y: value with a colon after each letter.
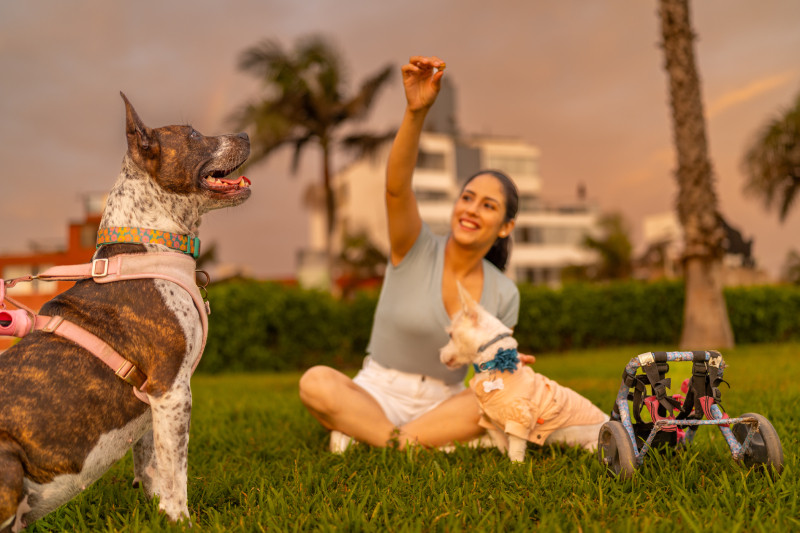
x: 259, y: 462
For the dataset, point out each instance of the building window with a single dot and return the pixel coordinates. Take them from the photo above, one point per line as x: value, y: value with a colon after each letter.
x: 431, y: 195
x: 528, y: 203
x: 512, y: 165
x: 564, y: 235
x: 554, y: 235
x: 524, y: 275
x: 528, y: 234
x: 431, y: 160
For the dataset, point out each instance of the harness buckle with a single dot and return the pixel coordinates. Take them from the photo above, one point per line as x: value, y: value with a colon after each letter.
x: 99, y: 262
x: 53, y: 324
x: 646, y: 358
x: 130, y: 374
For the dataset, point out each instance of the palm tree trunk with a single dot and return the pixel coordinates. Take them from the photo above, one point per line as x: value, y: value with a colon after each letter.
x: 705, y: 318
x: 330, y: 212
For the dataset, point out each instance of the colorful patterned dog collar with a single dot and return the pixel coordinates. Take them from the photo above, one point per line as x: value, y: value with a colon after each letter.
x: 184, y: 243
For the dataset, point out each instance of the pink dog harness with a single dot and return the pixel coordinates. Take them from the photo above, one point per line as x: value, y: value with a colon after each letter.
x: 170, y: 266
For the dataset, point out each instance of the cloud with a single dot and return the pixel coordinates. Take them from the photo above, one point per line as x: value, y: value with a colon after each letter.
x: 751, y: 91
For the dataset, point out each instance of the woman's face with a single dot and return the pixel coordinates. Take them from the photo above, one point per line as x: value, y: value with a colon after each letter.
x: 479, y: 213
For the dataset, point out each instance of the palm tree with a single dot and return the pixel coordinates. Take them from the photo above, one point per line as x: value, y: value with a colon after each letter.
x: 613, y: 248
x: 772, y: 164
x: 361, y: 261
x: 790, y: 273
x: 705, y: 316
x: 304, y: 104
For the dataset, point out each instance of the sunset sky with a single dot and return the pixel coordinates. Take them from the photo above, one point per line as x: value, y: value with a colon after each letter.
x: 581, y: 80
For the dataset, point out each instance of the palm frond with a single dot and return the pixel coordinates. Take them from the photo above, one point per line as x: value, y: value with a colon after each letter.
x: 358, y: 106
x: 300, y: 143
x: 365, y: 144
x: 772, y: 163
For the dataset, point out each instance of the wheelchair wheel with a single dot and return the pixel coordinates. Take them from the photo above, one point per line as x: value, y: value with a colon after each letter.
x: 765, y: 448
x: 615, y: 449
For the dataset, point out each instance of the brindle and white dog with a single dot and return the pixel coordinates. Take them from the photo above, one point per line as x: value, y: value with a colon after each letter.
x: 65, y: 417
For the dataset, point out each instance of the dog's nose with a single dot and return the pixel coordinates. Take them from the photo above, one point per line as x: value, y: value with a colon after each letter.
x: 244, y: 136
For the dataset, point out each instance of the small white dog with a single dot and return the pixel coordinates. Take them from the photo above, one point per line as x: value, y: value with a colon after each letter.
x: 517, y: 404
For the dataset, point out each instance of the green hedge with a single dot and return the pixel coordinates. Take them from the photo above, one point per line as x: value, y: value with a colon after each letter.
x: 266, y: 326
x: 768, y: 313
x: 591, y: 315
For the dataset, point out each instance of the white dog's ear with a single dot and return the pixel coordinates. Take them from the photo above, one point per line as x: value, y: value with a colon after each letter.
x: 468, y: 304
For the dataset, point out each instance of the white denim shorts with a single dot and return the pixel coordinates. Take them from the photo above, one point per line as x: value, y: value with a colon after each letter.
x: 403, y: 396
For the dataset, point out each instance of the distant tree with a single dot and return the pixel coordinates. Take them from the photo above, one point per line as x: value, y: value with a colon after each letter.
x: 305, y: 102
x: 772, y: 163
x: 705, y: 318
x: 360, y: 260
x: 790, y: 272
x: 613, y: 248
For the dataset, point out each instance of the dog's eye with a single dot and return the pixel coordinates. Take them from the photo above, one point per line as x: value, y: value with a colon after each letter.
x: 195, y: 134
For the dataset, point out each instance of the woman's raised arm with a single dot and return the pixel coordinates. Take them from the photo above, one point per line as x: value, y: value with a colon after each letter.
x: 422, y: 80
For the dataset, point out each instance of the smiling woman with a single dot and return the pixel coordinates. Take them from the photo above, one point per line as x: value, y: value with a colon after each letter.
x: 404, y: 393
x: 500, y: 199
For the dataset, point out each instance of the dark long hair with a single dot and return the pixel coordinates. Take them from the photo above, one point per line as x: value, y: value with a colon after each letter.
x: 501, y: 249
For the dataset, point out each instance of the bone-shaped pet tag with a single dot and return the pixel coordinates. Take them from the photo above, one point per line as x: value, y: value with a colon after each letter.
x: 497, y: 384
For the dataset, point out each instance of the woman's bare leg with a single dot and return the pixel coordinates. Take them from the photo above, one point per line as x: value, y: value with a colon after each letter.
x: 339, y: 404
x: 454, y: 420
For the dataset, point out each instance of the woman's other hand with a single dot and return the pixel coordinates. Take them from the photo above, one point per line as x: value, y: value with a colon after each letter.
x: 526, y: 359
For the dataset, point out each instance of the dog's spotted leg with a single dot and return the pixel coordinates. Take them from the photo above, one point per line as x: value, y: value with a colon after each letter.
x: 22, y: 509
x: 171, y: 419
x: 144, y: 463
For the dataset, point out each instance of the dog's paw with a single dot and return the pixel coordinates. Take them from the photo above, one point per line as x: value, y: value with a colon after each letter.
x: 176, y: 511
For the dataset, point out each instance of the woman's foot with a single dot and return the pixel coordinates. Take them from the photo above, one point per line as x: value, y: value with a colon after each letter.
x: 340, y: 442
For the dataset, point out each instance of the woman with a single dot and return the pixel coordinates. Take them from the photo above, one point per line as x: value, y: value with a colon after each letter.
x: 404, y: 393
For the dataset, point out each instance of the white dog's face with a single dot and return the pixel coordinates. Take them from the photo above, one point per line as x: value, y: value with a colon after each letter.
x: 471, y: 328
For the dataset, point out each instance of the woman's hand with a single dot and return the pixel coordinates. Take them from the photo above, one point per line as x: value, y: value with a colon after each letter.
x: 420, y: 82
x: 526, y: 359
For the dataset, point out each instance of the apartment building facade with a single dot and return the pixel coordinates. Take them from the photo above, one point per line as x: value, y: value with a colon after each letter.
x: 546, y: 238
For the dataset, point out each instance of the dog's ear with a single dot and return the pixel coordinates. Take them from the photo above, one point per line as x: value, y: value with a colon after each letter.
x: 468, y: 304
x: 142, y: 144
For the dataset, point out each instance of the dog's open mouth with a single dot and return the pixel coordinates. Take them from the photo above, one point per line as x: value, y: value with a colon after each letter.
x: 216, y: 182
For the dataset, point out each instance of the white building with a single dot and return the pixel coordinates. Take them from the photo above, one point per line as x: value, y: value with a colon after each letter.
x: 546, y: 238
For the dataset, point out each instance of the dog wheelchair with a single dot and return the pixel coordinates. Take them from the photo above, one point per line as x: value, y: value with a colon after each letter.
x: 623, y: 443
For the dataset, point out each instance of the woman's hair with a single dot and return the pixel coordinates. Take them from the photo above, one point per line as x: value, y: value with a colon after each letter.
x: 501, y: 249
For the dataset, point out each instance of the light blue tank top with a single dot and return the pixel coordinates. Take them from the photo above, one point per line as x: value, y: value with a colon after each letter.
x: 409, y: 325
